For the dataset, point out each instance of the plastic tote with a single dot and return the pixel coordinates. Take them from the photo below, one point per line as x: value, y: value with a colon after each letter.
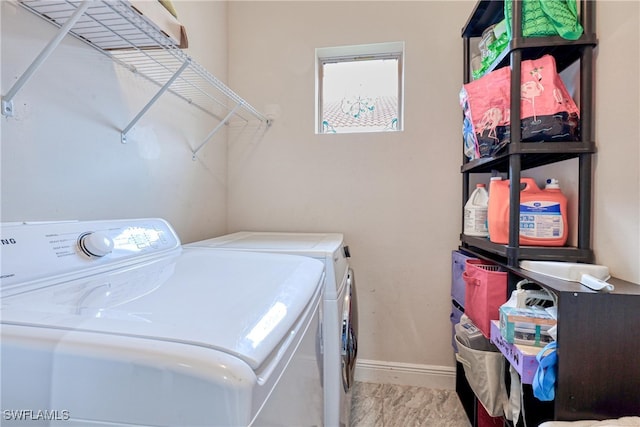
x: 485, y: 292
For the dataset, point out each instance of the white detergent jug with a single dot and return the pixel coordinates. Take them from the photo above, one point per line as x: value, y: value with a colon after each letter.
x: 475, y: 212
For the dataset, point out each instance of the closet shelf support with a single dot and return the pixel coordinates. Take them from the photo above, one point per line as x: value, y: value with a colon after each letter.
x: 7, y: 100
x: 215, y: 129
x: 162, y: 90
x: 117, y: 29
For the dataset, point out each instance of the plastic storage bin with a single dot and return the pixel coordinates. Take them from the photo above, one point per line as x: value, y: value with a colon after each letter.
x: 458, y: 265
x: 522, y: 358
x: 485, y: 292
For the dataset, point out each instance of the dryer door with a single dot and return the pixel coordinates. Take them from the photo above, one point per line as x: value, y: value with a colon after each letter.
x: 349, y: 333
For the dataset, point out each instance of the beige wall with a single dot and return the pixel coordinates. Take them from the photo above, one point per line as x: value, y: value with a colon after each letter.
x: 396, y: 196
x: 61, y: 153
x: 617, y: 164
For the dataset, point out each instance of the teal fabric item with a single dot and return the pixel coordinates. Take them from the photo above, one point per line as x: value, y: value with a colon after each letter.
x: 544, y: 380
x: 542, y: 18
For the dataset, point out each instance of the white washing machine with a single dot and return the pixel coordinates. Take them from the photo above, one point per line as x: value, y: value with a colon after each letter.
x: 340, y: 305
x: 113, y: 323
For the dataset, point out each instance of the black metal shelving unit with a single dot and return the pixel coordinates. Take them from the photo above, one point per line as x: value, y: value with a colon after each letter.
x: 589, y: 322
x: 519, y: 155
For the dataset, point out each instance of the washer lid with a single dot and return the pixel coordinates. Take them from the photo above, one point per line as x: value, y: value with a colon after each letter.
x: 242, y: 303
x: 327, y: 247
x: 317, y: 245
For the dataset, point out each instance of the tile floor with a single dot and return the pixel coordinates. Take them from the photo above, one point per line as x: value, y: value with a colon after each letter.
x: 388, y: 405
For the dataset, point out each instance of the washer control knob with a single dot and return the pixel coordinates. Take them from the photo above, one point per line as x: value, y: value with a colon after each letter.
x: 95, y: 244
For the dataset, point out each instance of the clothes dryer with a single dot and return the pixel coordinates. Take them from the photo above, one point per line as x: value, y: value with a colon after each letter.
x: 340, y: 305
x: 113, y: 323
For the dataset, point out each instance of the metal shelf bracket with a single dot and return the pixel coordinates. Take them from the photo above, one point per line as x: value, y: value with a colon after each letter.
x: 162, y: 90
x: 7, y: 100
x: 215, y: 129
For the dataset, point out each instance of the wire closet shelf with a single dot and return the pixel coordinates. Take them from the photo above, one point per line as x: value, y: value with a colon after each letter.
x: 117, y: 29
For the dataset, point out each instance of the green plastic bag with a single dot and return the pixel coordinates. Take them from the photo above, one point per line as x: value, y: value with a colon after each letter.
x: 542, y: 18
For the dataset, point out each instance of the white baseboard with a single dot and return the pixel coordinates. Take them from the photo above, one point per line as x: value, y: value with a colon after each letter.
x: 376, y: 371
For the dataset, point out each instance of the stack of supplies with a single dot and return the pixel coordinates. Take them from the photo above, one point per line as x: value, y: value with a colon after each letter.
x: 528, y: 326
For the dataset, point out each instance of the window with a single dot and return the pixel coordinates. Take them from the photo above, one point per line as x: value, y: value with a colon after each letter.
x: 359, y: 88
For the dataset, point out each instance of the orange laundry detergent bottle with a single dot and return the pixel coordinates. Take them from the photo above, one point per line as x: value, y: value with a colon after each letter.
x: 543, y: 213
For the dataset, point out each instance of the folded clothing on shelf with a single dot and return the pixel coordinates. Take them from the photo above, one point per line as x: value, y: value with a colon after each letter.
x: 548, y: 113
x: 541, y: 18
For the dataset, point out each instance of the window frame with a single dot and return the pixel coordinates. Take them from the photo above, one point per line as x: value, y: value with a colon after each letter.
x: 352, y: 53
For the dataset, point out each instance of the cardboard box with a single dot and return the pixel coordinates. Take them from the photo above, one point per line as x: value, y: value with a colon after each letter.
x: 163, y: 19
x: 102, y: 25
x: 526, y: 325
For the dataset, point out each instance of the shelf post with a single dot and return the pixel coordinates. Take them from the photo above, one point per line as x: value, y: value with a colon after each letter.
x: 585, y: 170
x: 7, y: 100
x: 515, y: 165
x: 162, y: 90
x: 466, y: 78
